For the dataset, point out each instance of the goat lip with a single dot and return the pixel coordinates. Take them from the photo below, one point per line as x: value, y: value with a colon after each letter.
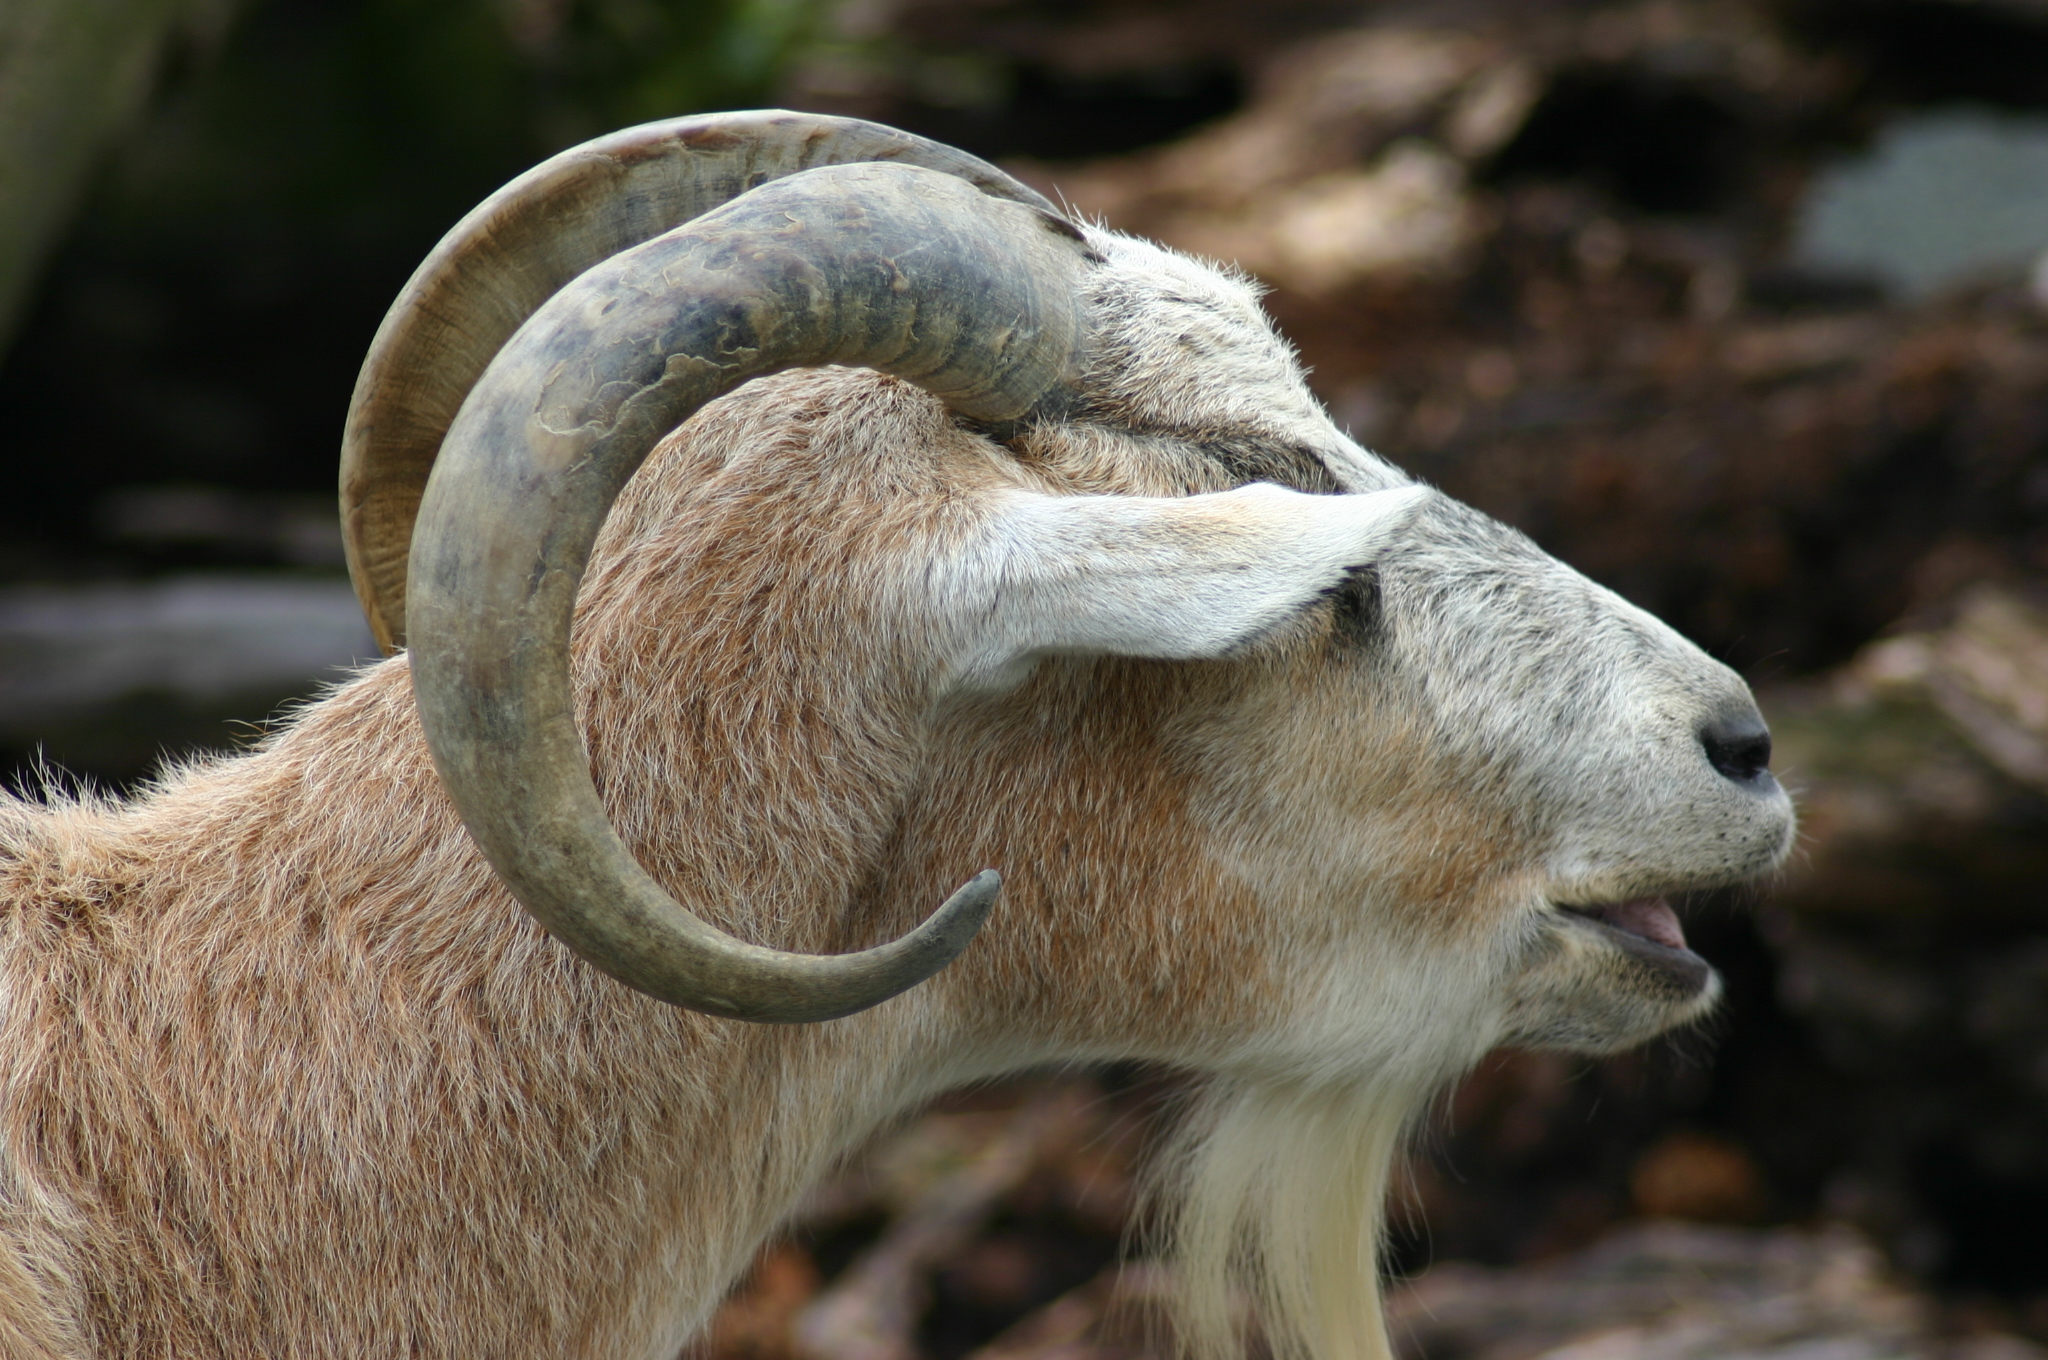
x: 1645, y: 918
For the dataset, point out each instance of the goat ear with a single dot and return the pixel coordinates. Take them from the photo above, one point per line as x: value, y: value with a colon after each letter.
x: 1180, y: 578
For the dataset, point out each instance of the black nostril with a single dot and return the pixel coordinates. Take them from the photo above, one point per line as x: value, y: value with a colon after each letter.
x: 1740, y: 748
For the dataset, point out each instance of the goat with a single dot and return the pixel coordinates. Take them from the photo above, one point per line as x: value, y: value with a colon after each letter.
x: 967, y: 535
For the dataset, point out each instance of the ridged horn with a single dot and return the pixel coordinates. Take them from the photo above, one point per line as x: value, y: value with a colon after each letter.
x: 502, y: 261
x: 905, y: 270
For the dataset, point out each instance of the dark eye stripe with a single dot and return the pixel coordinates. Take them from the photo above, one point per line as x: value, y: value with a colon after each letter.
x: 1257, y: 461
x: 1359, y: 605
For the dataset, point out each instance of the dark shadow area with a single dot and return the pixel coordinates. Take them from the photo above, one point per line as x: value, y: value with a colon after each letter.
x: 1659, y: 145
x: 120, y: 747
x: 1048, y: 115
x: 1026, y: 1258
x: 1928, y: 51
x: 1990, y: 1220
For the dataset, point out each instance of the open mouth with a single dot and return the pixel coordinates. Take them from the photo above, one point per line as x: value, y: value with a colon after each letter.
x: 1649, y: 918
x: 1648, y: 931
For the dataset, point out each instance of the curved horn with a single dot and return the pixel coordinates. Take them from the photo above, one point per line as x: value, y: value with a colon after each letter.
x: 502, y: 261
x: 909, y: 271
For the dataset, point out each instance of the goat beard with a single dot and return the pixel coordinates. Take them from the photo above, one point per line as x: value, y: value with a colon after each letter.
x: 1272, y: 1203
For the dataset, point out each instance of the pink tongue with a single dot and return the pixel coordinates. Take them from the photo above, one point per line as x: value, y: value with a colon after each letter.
x: 1649, y: 917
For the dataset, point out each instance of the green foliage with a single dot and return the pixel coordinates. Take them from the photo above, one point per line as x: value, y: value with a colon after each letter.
x: 374, y: 123
x: 204, y: 323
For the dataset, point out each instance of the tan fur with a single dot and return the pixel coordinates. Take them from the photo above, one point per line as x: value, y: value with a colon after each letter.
x: 277, y: 1022
x: 284, y: 1071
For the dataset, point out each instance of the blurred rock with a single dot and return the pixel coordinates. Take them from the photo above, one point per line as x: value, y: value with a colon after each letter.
x: 1922, y: 770
x: 105, y: 679
x: 1945, y: 196
x: 1669, y: 1291
x: 956, y: 1226
x: 215, y: 523
x: 872, y: 1311
x: 1913, y: 931
x: 1407, y: 213
x: 68, y: 648
x: 1987, y: 672
x: 1119, y: 1315
x: 1323, y: 181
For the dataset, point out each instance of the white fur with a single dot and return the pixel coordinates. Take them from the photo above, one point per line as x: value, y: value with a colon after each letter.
x: 1173, y: 579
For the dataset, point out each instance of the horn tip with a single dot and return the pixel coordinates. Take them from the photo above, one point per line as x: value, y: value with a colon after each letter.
x: 959, y: 918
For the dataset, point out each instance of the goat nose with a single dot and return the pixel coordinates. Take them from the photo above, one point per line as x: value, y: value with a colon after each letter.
x: 1738, y: 745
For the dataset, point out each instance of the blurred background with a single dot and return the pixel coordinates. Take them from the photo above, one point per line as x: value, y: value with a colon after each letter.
x: 1740, y: 306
